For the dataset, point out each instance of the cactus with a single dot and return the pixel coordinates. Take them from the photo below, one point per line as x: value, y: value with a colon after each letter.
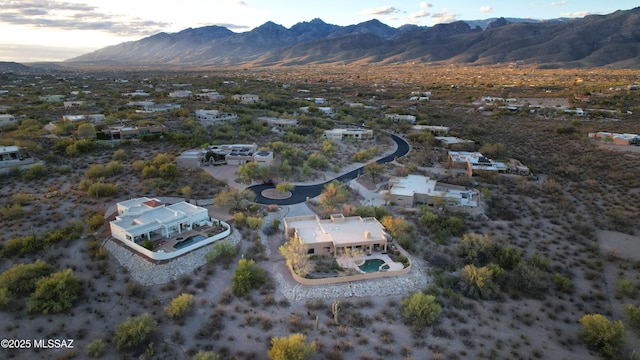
x: 335, y: 309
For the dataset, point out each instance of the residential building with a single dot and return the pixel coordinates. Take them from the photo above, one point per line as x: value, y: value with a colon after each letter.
x: 136, y: 93
x: 214, y: 116
x: 92, y: 118
x: 246, y: 98
x: 617, y: 139
x: 473, y: 163
x: 180, y: 94
x: 435, y: 130
x: 326, y: 110
x: 454, y: 142
x: 13, y: 156
x: 417, y: 189
x: 341, y: 134
x: 52, y: 98
x: 143, y: 218
x: 209, y: 95
x: 155, y: 108
x: 398, y: 117
x: 72, y: 104
x: 233, y: 154
x: 278, y: 123
x: 337, y: 234
x: 125, y: 132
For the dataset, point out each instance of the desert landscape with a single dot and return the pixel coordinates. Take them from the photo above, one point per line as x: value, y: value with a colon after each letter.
x: 511, y: 281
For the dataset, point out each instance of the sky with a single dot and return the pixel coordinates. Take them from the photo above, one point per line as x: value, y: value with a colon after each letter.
x: 55, y: 30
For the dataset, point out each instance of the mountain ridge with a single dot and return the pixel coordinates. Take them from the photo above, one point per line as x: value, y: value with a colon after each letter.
x: 611, y: 40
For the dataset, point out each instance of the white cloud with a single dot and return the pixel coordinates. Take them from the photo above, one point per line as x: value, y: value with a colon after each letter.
x: 419, y: 14
x: 558, y: 3
x: 425, y: 5
x: 578, y: 14
x: 385, y: 10
x: 486, y: 9
x: 444, y: 17
x: 242, y: 3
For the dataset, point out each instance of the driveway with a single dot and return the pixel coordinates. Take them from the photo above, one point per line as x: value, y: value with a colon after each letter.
x: 302, y: 192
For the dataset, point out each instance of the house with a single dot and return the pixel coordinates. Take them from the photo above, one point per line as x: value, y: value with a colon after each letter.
x: 155, y: 108
x: 214, y: 116
x: 278, y: 123
x: 136, y: 93
x: 52, y: 98
x: 209, y: 95
x: 454, y: 142
x: 13, y: 156
x: 418, y: 189
x: 143, y: 218
x: 337, y: 234
x: 92, y: 118
x: 617, y: 139
x: 180, y: 94
x: 72, y: 104
x: 246, y: 98
x: 235, y: 154
x: 7, y: 119
x: 340, y: 134
x: 473, y: 163
x: 398, y: 117
x: 326, y: 110
x: 124, y: 132
x: 435, y: 130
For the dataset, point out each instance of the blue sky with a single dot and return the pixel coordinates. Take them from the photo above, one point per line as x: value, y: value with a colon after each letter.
x: 53, y: 30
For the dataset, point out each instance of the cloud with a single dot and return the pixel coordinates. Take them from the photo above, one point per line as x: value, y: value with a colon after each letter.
x: 385, y: 10
x: 578, y: 14
x: 559, y: 3
x: 444, y: 17
x: 71, y: 16
x: 233, y: 26
x: 486, y: 9
x: 419, y: 14
x: 242, y: 3
x: 425, y: 5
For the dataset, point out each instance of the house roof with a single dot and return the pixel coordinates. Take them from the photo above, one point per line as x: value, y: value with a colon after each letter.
x: 342, y: 231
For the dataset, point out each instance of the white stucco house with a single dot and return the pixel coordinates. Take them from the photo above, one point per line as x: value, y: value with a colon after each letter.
x: 144, y: 218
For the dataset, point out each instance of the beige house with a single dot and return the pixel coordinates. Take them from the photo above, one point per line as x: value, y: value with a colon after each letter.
x: 417, y: 189
x: 341, y: 134
x: 337, y: 234
x: 246, y: 98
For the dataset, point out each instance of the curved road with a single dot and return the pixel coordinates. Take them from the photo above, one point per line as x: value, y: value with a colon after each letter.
x: 302, y: 192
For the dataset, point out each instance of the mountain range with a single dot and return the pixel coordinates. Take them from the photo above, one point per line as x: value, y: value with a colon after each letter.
x: 611, y: 40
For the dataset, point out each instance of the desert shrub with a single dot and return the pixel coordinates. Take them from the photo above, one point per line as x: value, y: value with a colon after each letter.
x: 96, y: 348
x: 5, y: 298
x: 602, y: 334
x: 55, y: 293
x: 134, y: 331
x: 20, y: 279
x: 420, y: 309
x: 478, y: 283
x: 22, y: 198
x: 223, y: 251
x: 626, y: 287
x: 95, y: 221
x: 508, y: 257
x: 294, y: 347
x: 147, y: 244
x: 179, y: 306
x: 205, y: 355
x: 247, y: 276
x: 254, y: 222
x: 633, y: 315
x: 529, y: 280
x: 474, y: 249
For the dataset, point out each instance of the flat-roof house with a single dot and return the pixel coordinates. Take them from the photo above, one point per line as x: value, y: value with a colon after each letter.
x: 617, y: 139
x: 214, y: 116
x: 136, y: 93
x: 154, y: 108
x: 473, y: 162
x: 246, y: 98
x: 93, y: 118
x: 452, y: 141
x: 398, y: 117
x: 143, y: 218
x: 418, y: 189
x: 180, y: 94
x: 263, y: 158
x: 336, y: 234
x: 232, y: 154
x: 278, y: 123
x: 126, y: 132
x: 340, y: 134
x: 72, y: 104
x: 435, y: 130
x: 11, y: 156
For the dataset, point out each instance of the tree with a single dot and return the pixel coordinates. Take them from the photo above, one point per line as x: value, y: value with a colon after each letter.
x: 294, y: 347
x: 223, y: 251
x: 55, y: 293
x: 179, y: 306
x: 86, y: 131
x: 374, y: 170
x: 396, y: 226
x: 233, y: 198
x: 420, y: 309
x: 134, y: 331
x: 602, y: 334
x: 186, y: 191
x: 475, y: 249
x: 478, y: 283
x: 295, y: 254
x: 318, y: 161
x: 284, y: 187
x: 246, y: 277
x: 333, y: 196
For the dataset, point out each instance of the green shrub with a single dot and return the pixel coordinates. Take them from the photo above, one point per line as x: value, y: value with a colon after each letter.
x: 134, y: 331
x: 420, y: 309
x: 179, y: 306
x: 96, y: 348
x: 602, y: 334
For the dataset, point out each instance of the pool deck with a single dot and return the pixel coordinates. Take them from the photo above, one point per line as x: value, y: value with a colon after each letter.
x: 350, y: 262
x: 166, y: 245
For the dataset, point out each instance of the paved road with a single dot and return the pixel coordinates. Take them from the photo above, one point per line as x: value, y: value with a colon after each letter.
x: 302, y: 192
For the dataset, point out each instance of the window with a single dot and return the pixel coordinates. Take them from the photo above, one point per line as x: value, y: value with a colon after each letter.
x: 311, y: 251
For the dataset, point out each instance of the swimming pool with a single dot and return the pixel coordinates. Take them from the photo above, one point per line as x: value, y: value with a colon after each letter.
x: 371, y: 265
x: 189, y: 241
